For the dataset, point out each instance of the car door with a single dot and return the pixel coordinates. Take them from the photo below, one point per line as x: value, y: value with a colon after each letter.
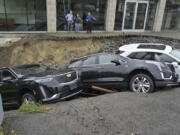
x: 160, y: 57
x: 8, y: 87
x: 89, y: 70
x: 111, y: 74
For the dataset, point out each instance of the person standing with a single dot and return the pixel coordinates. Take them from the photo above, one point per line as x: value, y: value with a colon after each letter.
x: 77, y: 22
x: 89, y: 20
x: 69, y: 19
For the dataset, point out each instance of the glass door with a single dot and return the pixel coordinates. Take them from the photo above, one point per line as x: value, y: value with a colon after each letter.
x: 141, y: 16
x: 130, y: 14
x: 135, y: 14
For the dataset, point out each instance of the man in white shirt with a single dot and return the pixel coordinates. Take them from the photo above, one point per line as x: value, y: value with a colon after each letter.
x: 69, y: 19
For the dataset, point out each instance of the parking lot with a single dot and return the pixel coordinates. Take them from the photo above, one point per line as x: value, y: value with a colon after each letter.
x: 124, y: 113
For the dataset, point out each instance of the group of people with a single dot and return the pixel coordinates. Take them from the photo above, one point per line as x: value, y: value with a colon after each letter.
x: 77, y: 21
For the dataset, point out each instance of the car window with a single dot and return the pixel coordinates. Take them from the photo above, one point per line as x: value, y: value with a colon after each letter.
x: 7, y: 75
x: 89, y: 61
x: 106, y: 59
x: 163, y: 58
x: 141, y: 55
x: 76, y: 64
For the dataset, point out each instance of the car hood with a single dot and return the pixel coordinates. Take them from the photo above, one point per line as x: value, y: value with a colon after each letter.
x: 47, y: 74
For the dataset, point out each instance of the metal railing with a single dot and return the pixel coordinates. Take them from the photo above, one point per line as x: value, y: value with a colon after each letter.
x: 1, y: 110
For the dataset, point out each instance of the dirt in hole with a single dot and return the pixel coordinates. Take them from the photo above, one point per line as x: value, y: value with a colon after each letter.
x: 58, y: 53
x: 49, y: 52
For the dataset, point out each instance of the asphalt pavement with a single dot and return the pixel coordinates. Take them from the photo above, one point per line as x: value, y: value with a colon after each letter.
x: 123, y: 113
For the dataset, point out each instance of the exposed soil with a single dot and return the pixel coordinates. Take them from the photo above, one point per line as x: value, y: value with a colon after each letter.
x: 58, y: 52
x: 49, y: 52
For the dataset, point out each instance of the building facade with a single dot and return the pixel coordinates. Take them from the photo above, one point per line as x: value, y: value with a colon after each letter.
x: 111, y: 15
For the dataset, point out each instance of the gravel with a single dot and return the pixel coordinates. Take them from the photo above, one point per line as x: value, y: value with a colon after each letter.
x: 115, y: 43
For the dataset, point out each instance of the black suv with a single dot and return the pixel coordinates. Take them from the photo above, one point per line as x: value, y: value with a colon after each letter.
x: 36, y: 82
x: 115, y: 71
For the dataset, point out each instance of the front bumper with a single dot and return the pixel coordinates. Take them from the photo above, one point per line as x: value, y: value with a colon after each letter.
x: 58, y: 97
x: 61, y: 91
x: 166, y: 83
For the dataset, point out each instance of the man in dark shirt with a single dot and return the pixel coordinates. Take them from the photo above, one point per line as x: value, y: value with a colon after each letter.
x: 89, y: 20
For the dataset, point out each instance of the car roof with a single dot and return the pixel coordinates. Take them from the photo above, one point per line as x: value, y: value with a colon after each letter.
x: 146, y: 47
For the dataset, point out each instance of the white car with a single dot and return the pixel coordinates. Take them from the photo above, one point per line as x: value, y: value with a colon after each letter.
x: 152, y: 51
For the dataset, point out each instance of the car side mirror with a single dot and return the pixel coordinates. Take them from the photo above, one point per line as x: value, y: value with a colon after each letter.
x: 116, y: 62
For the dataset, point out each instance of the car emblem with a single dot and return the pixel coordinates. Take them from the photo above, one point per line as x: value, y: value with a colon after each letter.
x: 68, y: 75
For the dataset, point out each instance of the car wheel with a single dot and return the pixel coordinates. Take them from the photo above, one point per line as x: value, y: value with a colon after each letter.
x: 141, y: 83
x: 28, y: 97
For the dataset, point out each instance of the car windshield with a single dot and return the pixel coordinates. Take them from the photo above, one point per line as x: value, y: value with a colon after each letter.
x: 175, y: 53
x: 30, y: 69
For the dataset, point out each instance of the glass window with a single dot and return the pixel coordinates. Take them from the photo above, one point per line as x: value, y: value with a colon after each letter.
x: 175, y: 53
x: 89, y: 61
x: 172, y: 15
x: 97, y: 7
x: 37, y: 16
x: 76, y: 64
x: 151, y: 14
x: 119, y: 14
x: 141, y: 55
x: 7, y: 76
x: 23, y: 15
x: 163, y: 58
x: 106, y: 59
x: 3, y: 26
x: 16, y: 15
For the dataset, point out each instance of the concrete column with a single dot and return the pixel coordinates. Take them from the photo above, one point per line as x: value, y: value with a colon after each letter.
x: 51, y: 15
x: 159, y: 15
x: 110, y: 15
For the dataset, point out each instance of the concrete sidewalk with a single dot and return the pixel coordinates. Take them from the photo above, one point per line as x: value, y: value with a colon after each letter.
x: 73, y: 35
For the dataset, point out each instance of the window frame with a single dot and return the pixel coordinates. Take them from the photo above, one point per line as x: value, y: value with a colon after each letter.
x: 9, y: 72
x: 96, y: 61
x: 164, y: 54
x: 107, y: 63
x: 151, y: 53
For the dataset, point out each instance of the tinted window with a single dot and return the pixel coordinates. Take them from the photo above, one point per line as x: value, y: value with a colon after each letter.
x: 7, y: 75
x: 163, y: 58
x: 141, y: 55
x: 30, y: 69
x: 89, y: 61
x: 106, y: 59
x: 76, y: 64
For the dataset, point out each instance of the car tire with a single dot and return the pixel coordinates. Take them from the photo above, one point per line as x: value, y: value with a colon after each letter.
x: 28, y: 97
x: 141, y: 83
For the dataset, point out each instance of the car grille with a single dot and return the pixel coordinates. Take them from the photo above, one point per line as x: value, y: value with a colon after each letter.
x: 167, y: 74
x: 68, y: 77
x: 66, y: 92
